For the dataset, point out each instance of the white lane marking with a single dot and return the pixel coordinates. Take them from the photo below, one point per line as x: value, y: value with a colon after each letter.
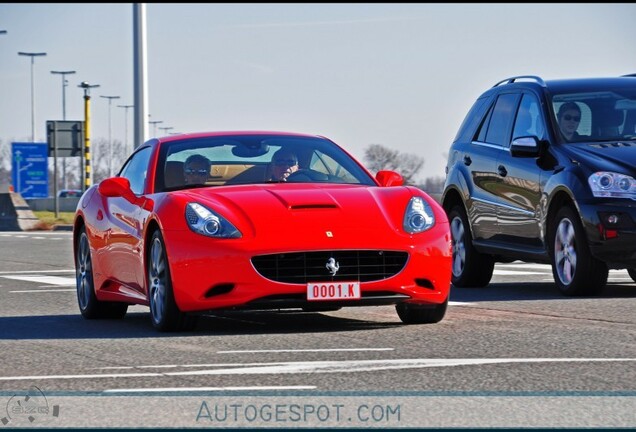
x: 524, y: 265
x: 305, y: 350
x: 325, y: 367
x: 42, y: 291
x: 514, y: 272
x: 194, y: 389
x: 456, y: 303
x: 49, y: 280
x: 35, y: 271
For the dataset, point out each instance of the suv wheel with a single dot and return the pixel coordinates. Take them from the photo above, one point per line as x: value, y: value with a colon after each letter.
x: 575, y: 270
x: 470, y: 268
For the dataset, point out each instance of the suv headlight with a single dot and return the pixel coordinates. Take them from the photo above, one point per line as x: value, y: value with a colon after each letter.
x: 204, y: 221
x: 611, y: 184
x: 418, y: 216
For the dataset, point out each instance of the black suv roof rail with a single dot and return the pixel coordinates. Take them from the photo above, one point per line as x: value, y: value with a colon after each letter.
x: 512, y: 79
x: 629, y: 75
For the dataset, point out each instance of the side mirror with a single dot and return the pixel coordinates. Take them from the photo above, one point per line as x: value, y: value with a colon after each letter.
x: 119, y: 187
x: 389, y: 178
x: 525, y: 147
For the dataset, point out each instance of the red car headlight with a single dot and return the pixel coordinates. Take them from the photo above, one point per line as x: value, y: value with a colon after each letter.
x: 204, y: 221
x: 418, y: 216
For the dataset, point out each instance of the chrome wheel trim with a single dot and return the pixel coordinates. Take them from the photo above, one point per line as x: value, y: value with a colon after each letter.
x: 157, y: 281
x: 84, y: 272
x: 565, y: 251
x: 458, y: 245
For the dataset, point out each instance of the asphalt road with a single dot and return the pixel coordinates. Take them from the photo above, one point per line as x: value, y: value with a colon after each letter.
x: 514, y: 354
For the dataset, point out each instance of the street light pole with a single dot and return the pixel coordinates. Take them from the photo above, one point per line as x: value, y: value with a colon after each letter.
x: 64, y: 84
x: 154, y: 124
x: 110, y: 141
x: 164, y: 129
x: 32, y: 55
x: 126, y: 124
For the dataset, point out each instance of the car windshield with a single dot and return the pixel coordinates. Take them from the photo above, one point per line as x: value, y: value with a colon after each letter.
x: 595, y: 116
x: 254, y: 159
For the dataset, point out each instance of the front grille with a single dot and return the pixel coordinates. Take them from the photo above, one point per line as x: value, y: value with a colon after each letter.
x: 353, y: 265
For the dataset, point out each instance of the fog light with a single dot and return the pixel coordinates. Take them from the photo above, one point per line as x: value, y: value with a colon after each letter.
x: 612, y: 219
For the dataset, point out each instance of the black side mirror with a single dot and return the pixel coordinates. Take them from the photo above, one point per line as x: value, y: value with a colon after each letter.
x: 528, y: 146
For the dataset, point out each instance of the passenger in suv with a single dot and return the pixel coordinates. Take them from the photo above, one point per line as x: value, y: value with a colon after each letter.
x: 517, y: 189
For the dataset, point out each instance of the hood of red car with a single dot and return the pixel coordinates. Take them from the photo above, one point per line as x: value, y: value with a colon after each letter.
x: 305, y: 211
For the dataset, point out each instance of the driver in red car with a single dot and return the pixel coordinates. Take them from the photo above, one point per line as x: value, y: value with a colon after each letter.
x: 283, y: 164
x: 196, y: 170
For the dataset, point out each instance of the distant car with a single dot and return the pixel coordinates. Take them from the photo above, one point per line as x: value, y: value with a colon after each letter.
x: 545, y: 171
x: 330, y: 236
x: 64, y: 193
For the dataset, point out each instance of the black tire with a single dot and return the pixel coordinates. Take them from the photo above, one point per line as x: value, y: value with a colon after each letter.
x: 632, y: 273
x: 576, y: 272
x: 90, y: 307
x: 164, y: 312
x: 421, y: 314
x: 470, y: 268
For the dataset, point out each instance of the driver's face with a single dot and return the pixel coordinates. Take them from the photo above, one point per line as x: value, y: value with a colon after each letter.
x: 283, y: 166
x: 196, y: 173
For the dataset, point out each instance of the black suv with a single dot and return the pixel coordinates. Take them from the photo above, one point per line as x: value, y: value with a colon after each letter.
x: 545, y: 171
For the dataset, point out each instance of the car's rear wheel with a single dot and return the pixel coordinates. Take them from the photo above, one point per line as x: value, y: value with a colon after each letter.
x: 470, y: 268
x: 164, y: 312
x: 90, y: 307
x: 421, y: 314
x: 575, y: 270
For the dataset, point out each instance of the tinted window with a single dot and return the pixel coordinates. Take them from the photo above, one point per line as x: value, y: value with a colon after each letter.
x: 529, y: 121
x: 135, y: 170
x: 502, y: 115
x: 605, y: 115
x: 466, y: 130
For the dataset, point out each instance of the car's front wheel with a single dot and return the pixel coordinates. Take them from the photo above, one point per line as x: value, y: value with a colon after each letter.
x: 421, y: 314
x: 575, y: 270
x: 164, y: 312
x: 90, y: 307
x: 470, y: 268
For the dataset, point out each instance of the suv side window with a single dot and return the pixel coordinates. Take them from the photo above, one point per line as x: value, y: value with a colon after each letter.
x: 529, y: 121
x: 499, y: 128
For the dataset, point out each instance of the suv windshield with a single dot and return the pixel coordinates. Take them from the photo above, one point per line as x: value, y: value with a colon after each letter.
x: 596, y: 115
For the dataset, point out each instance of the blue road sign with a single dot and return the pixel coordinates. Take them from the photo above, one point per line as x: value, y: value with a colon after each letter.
x: 30, y: 169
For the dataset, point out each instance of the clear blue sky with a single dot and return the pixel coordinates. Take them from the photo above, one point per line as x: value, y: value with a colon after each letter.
x: 400, y: 75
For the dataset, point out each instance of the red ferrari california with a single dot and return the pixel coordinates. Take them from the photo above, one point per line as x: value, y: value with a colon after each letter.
x: 257, y: 220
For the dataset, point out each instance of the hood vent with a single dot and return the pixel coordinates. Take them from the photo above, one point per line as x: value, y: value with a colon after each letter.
x: 312, y: 206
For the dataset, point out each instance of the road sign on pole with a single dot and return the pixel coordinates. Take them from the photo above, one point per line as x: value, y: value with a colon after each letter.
x: 29, y: 169
x: 66, y: 136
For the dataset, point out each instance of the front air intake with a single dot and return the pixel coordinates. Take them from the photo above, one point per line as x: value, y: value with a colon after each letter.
x: 354, y: 265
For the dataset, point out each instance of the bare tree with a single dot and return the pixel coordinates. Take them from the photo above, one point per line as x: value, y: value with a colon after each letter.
x: 101, y: 155
x: 5, y: 163
x: 377, y: 157
x: 433, y: 184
